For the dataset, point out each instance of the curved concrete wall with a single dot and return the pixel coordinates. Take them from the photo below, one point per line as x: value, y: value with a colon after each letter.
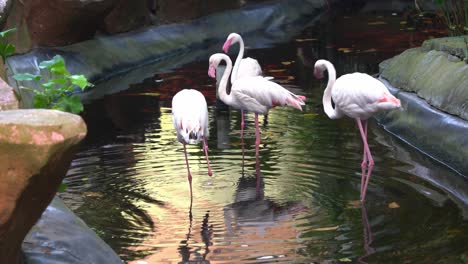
x: 169, y: 46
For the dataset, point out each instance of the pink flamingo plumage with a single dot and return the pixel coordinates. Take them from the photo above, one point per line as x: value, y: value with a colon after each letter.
x: 359, y: 96
x: 253, y: 94
x: 190, y: 119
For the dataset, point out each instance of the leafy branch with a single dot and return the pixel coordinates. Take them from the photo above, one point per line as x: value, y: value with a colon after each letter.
x: 55, y: 92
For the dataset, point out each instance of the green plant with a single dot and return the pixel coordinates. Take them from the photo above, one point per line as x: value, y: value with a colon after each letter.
x: 6, y: 49
x: 56, y: 91
x: 455, y: 15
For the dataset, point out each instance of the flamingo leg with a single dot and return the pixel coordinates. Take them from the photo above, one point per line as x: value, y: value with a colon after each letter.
x: 189, y: 176
x: 370, y: 159
x: 205, y: 148
x: 257, y: 137
x: 364, y: 159
x: 242, y: 135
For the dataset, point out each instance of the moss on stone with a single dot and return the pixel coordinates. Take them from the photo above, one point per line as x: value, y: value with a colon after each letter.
x: 441, y: 79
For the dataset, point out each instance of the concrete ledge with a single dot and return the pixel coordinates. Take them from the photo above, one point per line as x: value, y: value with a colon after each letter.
x: 61, y: 237
x: 440, y: 135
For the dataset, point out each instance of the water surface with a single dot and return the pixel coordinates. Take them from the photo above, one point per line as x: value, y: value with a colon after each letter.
x: 129, y: 180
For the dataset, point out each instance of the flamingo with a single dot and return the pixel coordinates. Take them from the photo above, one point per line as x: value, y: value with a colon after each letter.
x: 243, y: 67
x: 190, y: 119
x: 255, y: 94
x: 359, y: 96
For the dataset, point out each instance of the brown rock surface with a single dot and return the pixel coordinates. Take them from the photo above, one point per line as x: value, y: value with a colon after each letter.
x: 36, y: 148
x: 8, y: 100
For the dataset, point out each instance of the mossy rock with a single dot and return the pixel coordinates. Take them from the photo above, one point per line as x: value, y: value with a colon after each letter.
x: 438, y: 77
x: 456, y: 46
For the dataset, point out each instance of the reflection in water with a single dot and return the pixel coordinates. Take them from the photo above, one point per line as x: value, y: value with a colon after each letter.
x: 367, y: 232
x: 128, y: 182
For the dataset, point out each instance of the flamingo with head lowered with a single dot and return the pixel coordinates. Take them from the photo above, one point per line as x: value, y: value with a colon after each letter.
x: 359, y: 96
x: 190, y: 119
x: 253, y: 94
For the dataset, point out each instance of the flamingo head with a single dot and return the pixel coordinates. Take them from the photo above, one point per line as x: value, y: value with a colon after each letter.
x: 232, y: 38
x: 213, y: 63
x: 319, y: 68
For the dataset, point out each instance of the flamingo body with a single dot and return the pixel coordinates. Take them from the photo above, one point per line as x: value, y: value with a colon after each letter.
x: 359, y: 96
x: 190, y: 116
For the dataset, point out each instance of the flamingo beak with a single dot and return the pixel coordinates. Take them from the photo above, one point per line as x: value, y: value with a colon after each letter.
x: 212, y: 71
x: 226, y: 45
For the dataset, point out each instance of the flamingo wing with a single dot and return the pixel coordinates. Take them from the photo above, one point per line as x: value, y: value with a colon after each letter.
x: 360, y: 95
x: 249, y: 68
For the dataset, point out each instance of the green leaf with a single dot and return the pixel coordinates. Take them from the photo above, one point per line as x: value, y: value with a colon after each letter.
x: 62, y: 187
x: 70, y: 104
x: 41, y: 101
x: 56, y: 65
x: 345, y: 260
x: 6, y: 49
x: 48, y: 85
x: 7, y: 32
x: 26, y: 77
x: 80, y: 80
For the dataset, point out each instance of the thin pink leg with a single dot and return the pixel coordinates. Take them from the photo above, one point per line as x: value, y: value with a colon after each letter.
x: 257, y: 136
x: 242, y: 135
x: 364, y: 159
x: 205, y: 148
x: 189, y: 176
x: 369, y: 156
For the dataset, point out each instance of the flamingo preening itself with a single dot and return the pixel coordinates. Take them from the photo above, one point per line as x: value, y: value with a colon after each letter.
x: 190, y: 119
x: 359, y: 96
x: 254, y: 94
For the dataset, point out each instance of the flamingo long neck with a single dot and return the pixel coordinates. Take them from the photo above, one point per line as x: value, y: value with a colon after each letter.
x: 226, y: 98
x: 240, y: 55
x: 327, y: 99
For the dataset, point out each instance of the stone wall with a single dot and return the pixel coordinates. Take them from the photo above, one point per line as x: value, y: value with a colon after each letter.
x: 432, y: 83
x: 64, y: 22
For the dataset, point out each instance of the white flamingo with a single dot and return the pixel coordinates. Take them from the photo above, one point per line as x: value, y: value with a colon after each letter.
x: 359, y: 96
x: 243, y: 67
x: 190, y: 119
x: 254, y: 94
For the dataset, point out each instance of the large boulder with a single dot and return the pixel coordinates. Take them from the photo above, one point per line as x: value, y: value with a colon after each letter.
x: 436, y: 76
x: 36, y: 148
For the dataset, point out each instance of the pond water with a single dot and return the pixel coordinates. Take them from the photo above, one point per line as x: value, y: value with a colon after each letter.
x: 129, y: 182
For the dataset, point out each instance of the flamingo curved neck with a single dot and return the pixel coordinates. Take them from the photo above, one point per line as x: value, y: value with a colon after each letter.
x: 240, y: 55
x: 327, y: 99
x: 224, y: 80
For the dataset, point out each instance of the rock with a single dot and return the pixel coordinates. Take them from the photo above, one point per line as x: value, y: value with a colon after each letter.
x: 57, y: 22
x: 5, y: 7
x: 36, y: 148
x: 61, y: 237
x: 127, y: 15
x: 456, y: 46
x: 440, y: 78
x: 8, y: 100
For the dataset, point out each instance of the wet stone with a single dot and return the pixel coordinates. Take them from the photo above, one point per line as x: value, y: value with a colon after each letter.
x: 36, y: 148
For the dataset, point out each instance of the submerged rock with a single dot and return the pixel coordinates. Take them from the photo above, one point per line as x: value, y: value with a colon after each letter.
x: 36, y: 148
